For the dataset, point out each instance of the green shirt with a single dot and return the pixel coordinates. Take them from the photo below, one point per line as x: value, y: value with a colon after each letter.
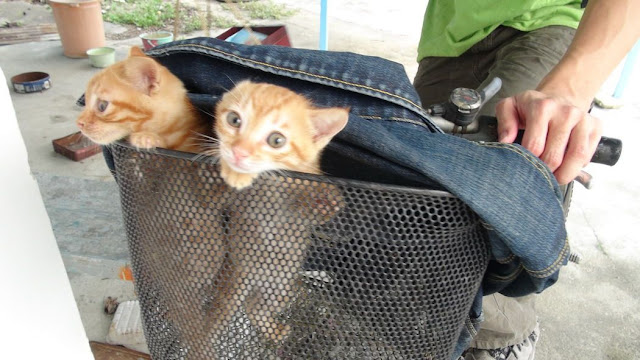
x: 452, y: 26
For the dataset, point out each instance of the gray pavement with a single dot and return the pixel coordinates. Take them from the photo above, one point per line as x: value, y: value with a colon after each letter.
x: 592, y: 313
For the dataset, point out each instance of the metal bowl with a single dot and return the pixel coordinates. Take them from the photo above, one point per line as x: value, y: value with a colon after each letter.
x: 31, y: 82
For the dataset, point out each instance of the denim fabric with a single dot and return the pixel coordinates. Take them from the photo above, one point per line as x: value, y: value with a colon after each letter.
x: 471, y: 326
x: 390, y: 139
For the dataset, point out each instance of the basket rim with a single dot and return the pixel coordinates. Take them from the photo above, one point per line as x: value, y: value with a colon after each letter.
x: 200, y: 158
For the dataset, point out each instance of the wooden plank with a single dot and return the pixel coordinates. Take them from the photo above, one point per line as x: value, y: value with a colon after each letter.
x: 103, y: 351
x: 27, y: 33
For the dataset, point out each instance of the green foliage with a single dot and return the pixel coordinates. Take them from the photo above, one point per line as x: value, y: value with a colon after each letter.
x: 157, y: 13
x: 192, y: 24
x: 196, y: 22
x: 222, y: 22
x: 142, y: 13
x: 265, y: 9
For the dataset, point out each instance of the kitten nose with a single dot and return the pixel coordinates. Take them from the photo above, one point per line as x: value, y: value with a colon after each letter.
x: 80, y: 124
x: 240, y: 154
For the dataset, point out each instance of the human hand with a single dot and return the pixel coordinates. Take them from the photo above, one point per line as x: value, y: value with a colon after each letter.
x: 556, y: 131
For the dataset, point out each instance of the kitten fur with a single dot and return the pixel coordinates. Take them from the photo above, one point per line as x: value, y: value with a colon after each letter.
x: 139, y: 99
x: 274, y: 236
x: 264, y: 110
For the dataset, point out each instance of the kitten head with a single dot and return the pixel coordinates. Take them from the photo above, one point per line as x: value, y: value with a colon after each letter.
x: 118, y: 98
x: 264, y: 127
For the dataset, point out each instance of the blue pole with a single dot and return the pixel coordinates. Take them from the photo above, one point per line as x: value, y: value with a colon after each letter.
x: 627, y: 69
x: 324, y: 34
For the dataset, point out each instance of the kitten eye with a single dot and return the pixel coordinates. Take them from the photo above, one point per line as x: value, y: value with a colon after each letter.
x: 276, y: 140
x: 233, y: 119
x: 102, y: 105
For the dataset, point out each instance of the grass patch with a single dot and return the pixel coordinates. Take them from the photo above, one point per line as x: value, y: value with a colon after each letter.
x: 155, y: 14
x: 195, y: 23
x: 141, y: 13
x: 265, y: 9
x: 222, y: 22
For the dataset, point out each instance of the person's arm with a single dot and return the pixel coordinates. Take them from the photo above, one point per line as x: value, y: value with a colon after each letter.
x: 554, y: 115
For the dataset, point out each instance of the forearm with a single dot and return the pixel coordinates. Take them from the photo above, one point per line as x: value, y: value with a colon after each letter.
x: 607, y: 31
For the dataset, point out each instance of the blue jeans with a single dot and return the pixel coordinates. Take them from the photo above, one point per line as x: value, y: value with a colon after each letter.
x: 390, y: 139
x: 521, y: 60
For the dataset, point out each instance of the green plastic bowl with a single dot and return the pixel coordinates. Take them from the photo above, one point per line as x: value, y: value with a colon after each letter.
x: 151, y: 40
x: 102, y: 56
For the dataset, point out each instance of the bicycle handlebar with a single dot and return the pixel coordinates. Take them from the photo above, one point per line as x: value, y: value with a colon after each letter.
x: 452, y: 114
x: 608, y: 151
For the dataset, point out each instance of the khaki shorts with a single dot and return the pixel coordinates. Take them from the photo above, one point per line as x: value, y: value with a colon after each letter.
x: 521, y: 60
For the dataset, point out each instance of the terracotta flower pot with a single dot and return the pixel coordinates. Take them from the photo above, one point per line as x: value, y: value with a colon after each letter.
x: 79, y: 24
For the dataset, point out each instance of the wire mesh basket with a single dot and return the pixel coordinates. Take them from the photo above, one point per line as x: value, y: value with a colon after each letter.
x: 296, y: 266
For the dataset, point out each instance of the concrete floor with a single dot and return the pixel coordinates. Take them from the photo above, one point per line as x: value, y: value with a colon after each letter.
x: 592, y: 313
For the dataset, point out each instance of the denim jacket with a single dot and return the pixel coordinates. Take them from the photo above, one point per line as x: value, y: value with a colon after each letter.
x: 390, y: 139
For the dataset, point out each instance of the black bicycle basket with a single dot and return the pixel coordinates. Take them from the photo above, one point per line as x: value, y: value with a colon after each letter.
x: 296, y: 266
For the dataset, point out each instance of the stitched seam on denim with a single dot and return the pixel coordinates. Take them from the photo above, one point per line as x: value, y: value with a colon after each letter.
x: 414, y: 122
x: 549, y: 269
x: 510, y: 277
x: 470, y: 328
x: 303, y: 72
x: 554, y: 266
x: 506, y: 260
x: 313, y: 75
x: 528, y: 157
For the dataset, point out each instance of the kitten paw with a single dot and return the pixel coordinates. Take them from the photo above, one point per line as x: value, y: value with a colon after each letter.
x: 146, y: 140
x: 235, y: 179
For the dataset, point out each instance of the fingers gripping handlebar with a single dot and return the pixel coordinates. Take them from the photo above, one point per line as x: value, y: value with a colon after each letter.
x: 607, y: 152
x: 459, y: 116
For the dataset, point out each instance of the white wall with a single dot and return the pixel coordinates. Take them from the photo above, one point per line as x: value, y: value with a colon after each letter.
x: 40, y: 319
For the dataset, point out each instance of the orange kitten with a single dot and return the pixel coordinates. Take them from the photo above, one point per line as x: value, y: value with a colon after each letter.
x: 263, y: 127
x: 140, y: 99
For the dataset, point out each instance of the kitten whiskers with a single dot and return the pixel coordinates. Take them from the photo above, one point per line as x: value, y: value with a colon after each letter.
x: 206, y: 138
x: 233, y: 82
x: 206, y: 112
x: 209, y: 144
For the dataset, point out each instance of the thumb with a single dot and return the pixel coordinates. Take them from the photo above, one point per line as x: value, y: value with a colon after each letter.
x: 508, y: 120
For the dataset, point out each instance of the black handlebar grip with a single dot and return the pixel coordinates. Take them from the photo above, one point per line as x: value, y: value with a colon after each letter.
x: 608, y: 151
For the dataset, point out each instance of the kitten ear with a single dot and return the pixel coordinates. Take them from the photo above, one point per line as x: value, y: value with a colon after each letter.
x: 136, y: 51
x: 144, y: 74
x: 327, y: 123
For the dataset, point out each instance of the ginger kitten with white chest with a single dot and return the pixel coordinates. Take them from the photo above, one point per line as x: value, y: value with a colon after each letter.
x: 260, y: 128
